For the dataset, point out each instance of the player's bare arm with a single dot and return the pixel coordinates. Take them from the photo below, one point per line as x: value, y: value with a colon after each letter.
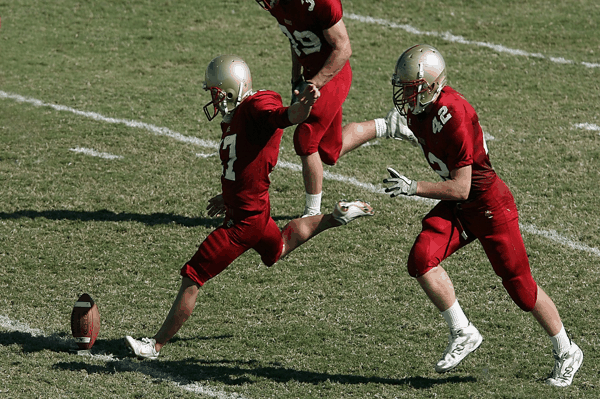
x: 338, y: 38
x: 456, y: 188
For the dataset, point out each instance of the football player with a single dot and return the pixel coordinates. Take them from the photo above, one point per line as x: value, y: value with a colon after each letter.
x: 475, y: 205
x: 320, y: 50
x: 251, y: 133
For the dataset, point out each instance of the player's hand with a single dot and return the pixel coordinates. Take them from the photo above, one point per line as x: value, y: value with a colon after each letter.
x: 309, y: 94
x: 216, y: 206
x: 298, y: 85
x: 398, y: 129
x: 400, y: 184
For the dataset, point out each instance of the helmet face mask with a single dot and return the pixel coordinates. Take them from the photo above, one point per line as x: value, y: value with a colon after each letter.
x: 218, y: 101
x: 267, y: 4
x: 229, y: 81
x: 407, y: 95
x: 418, y: 79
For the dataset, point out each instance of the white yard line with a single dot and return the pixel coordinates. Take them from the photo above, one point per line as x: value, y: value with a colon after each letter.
x: 587, y: 126
x: 204, y: 155
x: 159, y: 131
x: 459, y: 39
x: 94, y: 153
x: 377, y: 189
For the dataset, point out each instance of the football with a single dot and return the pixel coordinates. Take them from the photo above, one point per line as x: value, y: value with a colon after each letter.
x: 85, y: 322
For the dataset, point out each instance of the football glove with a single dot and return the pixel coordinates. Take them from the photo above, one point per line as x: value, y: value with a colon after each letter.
x: 398, y: 129
x: 298, y: 84
x: 400, y: 184
x: 216, y: 206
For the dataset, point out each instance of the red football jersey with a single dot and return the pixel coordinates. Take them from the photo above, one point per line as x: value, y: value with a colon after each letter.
x: 303, y: 22
x: 249, y: 149
x: 451, y: 137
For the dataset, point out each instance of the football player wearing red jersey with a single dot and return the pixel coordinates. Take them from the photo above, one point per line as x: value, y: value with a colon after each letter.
x: 252, y: 128
x: 475, y: 204
x: 320, y: 50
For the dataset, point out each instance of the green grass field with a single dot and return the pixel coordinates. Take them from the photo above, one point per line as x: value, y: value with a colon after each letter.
x: 340, y: 318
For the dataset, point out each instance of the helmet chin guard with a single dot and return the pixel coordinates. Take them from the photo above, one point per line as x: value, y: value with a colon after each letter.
x: 267, y: 4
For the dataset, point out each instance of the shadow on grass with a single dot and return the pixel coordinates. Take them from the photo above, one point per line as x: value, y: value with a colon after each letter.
x: 116, y: 358
x: 31, y: 342
x: 241, y: 372
x: 110, y: 216
x: 238, y: 373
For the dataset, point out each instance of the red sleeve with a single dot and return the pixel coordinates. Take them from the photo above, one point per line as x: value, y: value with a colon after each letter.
x: 268, y: 112
x: 279, y: 118
x: 329, y: 12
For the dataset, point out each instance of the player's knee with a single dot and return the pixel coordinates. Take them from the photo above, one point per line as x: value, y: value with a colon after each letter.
x: 416, y: 266
x: 304, y: 141
x: 328, y: 158
x: 523, y: 291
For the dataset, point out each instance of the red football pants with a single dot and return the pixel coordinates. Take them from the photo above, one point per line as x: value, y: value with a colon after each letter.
x: 227, y: 243
x: 494, y: 221
x: 322, y: 130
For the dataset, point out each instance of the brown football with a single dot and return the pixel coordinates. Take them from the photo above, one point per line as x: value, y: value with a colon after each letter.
x: 85, y: 322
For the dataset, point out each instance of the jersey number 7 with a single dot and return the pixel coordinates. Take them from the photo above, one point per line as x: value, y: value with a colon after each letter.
x: 229, y: 141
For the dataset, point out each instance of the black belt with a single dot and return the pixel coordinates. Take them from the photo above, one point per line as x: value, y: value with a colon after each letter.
x: 459, y: 225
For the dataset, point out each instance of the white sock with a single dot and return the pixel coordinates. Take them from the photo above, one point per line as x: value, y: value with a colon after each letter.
x: 561, y: 341
x: 380, y: 127
x: 313, y: 203
x: 455, y: 317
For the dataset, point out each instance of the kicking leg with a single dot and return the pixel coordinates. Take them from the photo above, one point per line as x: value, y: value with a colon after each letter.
x: 149, y: 348
x: 180, y: 311
x: 300, y: 230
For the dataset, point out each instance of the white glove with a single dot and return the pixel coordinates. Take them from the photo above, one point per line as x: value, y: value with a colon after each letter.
x: 398, y: 129
x: 401, y: 184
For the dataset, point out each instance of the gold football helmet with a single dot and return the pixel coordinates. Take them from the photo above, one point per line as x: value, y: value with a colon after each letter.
x: 419, y: 78
x: 229, y: 81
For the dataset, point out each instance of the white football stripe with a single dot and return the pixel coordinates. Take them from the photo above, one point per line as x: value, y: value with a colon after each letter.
x: 586, y: 126
x: 203, y: 155
x: 553, y: 235
x: 94, y: 153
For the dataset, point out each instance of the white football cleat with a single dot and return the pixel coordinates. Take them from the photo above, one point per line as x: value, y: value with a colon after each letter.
x: 345, y: 212
x: 398, y: 129
x: 565, y: 366
x: 461, y: 342
x: 144, y: 348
